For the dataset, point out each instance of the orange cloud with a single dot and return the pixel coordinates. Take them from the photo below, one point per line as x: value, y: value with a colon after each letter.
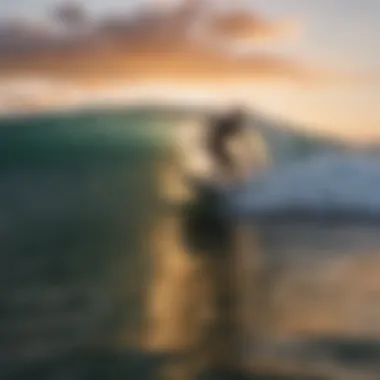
x: 171, y: 46
x: 239, y: 25
x: 151, y: 46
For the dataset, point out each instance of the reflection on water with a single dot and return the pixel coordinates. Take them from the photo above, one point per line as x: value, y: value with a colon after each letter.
x: 319, y: 300
x: 282, y: 301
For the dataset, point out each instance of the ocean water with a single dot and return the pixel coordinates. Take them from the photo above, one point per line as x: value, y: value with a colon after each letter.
x: 79, y: 199
x: 77, y: 196
x: 313, y: 309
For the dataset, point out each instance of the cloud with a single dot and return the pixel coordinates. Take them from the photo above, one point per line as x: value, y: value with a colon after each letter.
x: 176, y: 48
x: 240, y: 25
x: 172, y: 45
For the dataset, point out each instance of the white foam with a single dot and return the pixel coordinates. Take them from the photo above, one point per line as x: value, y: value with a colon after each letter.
x: 332, y: 182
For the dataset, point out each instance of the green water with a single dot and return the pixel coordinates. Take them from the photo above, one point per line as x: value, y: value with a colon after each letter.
x: 77, y: 193
x: 80, y: 137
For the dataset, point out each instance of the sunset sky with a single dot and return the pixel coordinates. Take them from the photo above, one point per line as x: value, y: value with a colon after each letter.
x: 316, y: 63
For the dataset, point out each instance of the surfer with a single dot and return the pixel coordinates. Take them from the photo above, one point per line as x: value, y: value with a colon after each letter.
x: 223, y: 128
x: 236, y: 148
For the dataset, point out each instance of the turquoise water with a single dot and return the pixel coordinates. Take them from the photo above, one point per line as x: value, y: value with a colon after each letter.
x: 77, y: 193
x: 79, y: 136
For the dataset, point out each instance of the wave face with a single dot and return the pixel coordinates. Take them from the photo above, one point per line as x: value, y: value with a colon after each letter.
x: 76, y: 195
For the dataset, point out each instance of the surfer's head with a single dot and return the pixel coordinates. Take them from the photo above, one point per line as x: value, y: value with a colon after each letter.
x: 223, y: 128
